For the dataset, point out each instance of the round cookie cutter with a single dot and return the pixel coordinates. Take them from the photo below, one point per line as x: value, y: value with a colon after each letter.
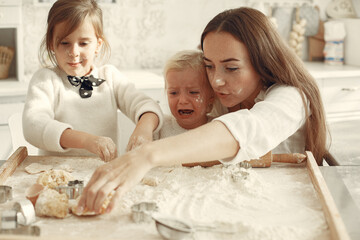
x: 142, y: 212
x: 176, y: 229
x: 5, y: 193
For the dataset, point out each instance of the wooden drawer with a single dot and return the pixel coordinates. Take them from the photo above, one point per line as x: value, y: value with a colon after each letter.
x: 9, y: 15
x: 341, y: 94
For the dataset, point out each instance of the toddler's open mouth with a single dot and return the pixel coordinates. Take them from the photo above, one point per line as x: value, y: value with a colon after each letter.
x: 185, y: 111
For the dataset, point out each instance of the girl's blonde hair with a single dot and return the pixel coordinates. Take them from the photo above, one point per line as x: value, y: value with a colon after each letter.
x: 275, y: 62
x: 73, y: 12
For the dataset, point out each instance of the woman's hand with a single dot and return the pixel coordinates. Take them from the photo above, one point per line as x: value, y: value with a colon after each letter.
x: 210, y: 141
x: 120, y: 175
x: 143, y: 132
x: 104, y: 147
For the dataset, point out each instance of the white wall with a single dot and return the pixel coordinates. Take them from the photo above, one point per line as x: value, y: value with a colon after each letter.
x: 142, y: 33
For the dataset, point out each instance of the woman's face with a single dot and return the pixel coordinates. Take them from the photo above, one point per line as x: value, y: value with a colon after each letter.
x: 189, y: 96
x: 229, y: 69
x: 75, y: 53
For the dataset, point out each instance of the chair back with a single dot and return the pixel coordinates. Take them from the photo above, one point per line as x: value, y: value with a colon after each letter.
x: 17, y: 136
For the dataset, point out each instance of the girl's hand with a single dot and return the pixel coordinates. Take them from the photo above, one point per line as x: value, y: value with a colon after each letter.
x: 104, y: 147
x: 143, y: 132
x: 120, y: 175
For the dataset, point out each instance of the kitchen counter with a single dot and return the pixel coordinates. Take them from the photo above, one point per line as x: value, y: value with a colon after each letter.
x: 321, y: 70
x: 344, y: 185
x: 345, y: 139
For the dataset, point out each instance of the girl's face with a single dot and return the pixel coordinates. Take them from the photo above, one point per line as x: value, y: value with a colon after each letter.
x: 189, y: 96
x: 229, y: 70
x: 75, y: 54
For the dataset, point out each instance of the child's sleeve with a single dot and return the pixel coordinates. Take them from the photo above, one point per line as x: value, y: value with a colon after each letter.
x: 133, y: 102
x: 39, y: 127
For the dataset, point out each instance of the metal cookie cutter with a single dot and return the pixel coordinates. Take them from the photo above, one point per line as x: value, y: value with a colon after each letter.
x: 25, y: 212
x: 8, y: 219
x: 142, y: 212
x: 73, y: 190
x: 14, y: 221
x: 244, y: 164
x: 23, y: 230
x: 5, y: 193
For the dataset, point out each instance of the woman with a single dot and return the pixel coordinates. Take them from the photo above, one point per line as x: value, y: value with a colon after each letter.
x: 273, y: 104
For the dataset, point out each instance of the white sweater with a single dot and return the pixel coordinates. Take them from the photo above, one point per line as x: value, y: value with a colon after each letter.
x: 169, y: 128
x: 276, y: 122
x: 53, y: 105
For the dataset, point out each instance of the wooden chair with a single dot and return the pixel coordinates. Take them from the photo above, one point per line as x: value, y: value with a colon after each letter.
x: 17, y: 136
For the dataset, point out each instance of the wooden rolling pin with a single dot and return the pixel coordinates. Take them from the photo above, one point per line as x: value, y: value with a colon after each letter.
x: 264, y: 161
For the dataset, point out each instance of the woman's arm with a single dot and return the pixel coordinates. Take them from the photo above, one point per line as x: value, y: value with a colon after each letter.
x: 104, y: 147
x: 209, y: 142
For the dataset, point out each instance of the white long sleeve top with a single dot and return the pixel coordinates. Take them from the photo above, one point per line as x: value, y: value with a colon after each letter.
x: 275, y: 123
x: 53, y: 105
x: 169, y: 128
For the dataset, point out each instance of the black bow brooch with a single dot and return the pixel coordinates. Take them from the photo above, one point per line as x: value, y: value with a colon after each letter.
x: 87, y: 84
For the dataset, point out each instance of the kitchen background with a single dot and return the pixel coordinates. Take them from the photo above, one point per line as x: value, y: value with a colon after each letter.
x: 144, y: 33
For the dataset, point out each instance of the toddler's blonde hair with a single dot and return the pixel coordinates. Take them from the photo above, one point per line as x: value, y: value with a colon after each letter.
x: 186, y: 59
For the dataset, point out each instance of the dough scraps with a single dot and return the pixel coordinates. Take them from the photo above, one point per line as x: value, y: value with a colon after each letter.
x: 34, y: 168
x: 73, y: 207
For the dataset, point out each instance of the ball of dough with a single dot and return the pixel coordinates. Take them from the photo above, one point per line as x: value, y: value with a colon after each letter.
x: 54, y: 178
x: 50, y: 203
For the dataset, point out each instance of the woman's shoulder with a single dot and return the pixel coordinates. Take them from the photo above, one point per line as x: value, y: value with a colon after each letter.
x: 276, y: 89
x: 278, y: 92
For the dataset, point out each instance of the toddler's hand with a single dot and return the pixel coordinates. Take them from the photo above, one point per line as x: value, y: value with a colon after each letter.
x: 143, y: 131
x: 137, y: 140
x: 104, y: 147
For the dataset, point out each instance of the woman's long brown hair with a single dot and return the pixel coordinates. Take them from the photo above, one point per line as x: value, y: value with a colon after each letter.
x: 275, y: 62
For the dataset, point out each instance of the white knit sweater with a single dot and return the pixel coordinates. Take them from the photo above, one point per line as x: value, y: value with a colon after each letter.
x: 53, y: 105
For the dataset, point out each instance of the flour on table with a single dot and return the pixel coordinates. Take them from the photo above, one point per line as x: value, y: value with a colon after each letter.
x: 34, y: 168
x: 155, y: 176
x: 66, y: 167
x: 263, y: 203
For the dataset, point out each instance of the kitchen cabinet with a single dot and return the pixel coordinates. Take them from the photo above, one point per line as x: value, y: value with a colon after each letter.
x: 11, y: 36
x: 340, y: 91
x: 339, y: 88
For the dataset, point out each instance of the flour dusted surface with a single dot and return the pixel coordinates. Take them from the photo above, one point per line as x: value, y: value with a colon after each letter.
x: 264, y: 203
